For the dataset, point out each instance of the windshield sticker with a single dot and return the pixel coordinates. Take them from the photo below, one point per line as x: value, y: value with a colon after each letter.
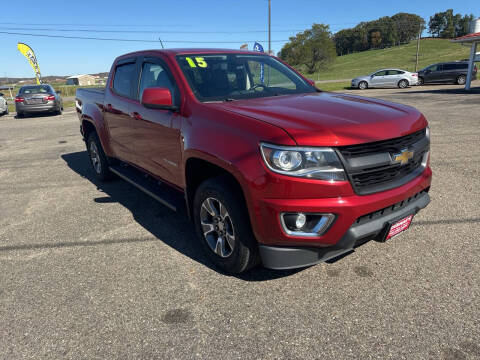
x: 200, y: 62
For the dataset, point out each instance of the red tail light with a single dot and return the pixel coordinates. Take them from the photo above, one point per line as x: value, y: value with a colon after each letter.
x: 49, y: 97
x: 19, y: 99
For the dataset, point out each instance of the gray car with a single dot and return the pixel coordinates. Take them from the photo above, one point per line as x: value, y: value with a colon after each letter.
x: 386, y: 78
x: 38, y: 99
x: 3, y: 105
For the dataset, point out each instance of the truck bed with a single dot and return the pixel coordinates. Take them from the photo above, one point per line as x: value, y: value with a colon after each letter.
x: 89, y: 96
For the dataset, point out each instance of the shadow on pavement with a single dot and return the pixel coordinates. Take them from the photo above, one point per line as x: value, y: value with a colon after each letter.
x: 455, y: 91
x: 173, y: 229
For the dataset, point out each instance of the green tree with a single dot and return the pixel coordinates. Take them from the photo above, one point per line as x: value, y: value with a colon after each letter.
x: 313, y: 48
x: 436, y: 24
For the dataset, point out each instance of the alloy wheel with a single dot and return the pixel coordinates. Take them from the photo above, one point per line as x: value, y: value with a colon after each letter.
x: 95, y: 158
x: 217, y: 227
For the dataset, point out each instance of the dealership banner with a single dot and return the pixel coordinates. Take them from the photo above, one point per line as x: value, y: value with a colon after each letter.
x: 32, y: 59
x: 259, y: 47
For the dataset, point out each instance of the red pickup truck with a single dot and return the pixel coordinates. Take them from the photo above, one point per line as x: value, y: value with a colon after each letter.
x: 269, y: 168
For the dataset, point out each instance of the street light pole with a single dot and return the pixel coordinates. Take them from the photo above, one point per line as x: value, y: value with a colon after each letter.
x: 269, y: 27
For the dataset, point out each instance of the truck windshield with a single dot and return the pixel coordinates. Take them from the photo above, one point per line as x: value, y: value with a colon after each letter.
x: 226, y: 77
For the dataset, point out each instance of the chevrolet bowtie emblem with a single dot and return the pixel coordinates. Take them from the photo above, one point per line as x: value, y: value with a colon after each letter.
x: 403, y: 157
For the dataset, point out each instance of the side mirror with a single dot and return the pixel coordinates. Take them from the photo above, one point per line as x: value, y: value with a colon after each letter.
x: 158, y: 98
x: 58, y: 92
x: 311, y: 82
x: 1, y: 94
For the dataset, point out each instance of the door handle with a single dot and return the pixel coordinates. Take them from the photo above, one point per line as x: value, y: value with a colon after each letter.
x: 136, y: 115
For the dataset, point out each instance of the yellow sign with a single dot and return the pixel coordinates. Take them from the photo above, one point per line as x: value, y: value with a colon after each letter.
x: 403, y: 157
x: 32, y: 59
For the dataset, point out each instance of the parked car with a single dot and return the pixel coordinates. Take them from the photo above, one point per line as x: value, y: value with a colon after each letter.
x: 271, y: 170
x: 38, y: 99
x: 3, y: 105
x: 386, y: 78
x: 447, y: 72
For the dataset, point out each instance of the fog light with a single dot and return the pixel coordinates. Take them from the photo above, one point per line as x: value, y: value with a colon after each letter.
x: 301, y: 221
x: 306, y: 225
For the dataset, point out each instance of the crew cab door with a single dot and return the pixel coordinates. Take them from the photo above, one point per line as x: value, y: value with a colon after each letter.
x: 157, y: 131
x: 118, y: 99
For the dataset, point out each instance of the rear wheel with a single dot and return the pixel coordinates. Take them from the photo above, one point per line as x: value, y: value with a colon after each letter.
x: 223, y: 226
x: 402, y: 84
x: 59, y: 111
x: 362, y: 85
x: 461, y: 80
x: 98, y: 160
x: 20, y: 115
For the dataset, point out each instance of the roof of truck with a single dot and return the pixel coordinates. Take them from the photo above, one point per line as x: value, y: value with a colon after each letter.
x: 180, y: 51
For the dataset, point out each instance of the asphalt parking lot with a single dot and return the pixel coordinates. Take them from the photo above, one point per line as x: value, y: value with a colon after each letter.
x: 101, y: 271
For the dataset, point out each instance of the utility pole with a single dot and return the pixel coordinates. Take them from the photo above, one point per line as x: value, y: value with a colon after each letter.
x: 418, y: 47
x: 269, y: 27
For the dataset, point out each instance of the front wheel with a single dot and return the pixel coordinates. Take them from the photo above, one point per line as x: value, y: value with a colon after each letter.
x: 461, y: 80
x: 223, y: 226
x: 98, y: 160
x: 420, y: 81
x: 402, y: 84
x: 362, y: 85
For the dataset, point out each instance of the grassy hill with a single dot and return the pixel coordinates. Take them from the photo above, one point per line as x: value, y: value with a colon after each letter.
x: 403, y: 57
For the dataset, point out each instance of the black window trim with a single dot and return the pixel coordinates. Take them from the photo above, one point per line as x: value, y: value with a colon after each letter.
x: 134, y: 61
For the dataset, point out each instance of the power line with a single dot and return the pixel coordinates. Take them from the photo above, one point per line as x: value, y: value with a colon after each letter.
x: 146, y: 31
x: 131, y: 40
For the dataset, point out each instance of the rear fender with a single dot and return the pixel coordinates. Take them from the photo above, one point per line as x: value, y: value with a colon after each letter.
x: 94, y: 115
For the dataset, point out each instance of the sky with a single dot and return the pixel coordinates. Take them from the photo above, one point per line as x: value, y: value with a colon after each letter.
x: 215, y: 23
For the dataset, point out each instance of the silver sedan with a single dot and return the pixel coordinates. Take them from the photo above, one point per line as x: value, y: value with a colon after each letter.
x: 386, y: 78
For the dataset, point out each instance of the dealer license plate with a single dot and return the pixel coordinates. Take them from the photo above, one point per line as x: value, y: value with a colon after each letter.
x: 399, y: 227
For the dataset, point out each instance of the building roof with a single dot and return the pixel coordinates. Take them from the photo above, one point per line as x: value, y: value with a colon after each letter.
x: 78, y: 76
x: 470, y: 38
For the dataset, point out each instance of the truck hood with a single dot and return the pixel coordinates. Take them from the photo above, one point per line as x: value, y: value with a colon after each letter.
x: 330, y: 119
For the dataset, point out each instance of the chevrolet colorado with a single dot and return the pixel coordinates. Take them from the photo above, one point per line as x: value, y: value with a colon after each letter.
x: 269, y: 168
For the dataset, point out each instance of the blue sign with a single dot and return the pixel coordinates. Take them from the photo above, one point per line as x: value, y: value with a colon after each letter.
x: 258, y: 47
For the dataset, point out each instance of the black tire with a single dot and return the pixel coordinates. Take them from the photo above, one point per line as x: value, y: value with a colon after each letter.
x: 59, y: 111
x: 420, y: 81
x: 100, y: 167
x: 244, y: 253
x: 362, y: 85
x: 403, y: 84
x: 461, y: 80
x: 20, y: 115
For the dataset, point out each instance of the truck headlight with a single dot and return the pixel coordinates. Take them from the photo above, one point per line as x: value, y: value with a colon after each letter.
x: 316, y: 163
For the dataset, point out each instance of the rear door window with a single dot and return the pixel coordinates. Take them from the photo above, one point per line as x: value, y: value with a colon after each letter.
x: 123, y: 79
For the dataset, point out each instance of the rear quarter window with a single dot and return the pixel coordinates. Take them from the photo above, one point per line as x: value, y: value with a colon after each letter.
x: 122, y: 81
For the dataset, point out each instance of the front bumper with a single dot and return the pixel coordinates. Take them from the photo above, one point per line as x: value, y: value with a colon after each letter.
x: 366, y: 228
